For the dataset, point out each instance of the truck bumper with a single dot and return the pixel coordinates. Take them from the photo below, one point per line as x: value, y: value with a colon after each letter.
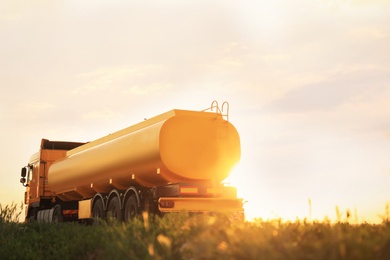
x: 174, y: 204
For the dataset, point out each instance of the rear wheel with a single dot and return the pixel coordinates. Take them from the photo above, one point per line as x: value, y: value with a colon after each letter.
x: 114, y: 211
x: 131, y: 208
x: 98, y: 212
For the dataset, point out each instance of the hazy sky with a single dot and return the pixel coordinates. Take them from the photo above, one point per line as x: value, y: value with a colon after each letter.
x: 308, y: 84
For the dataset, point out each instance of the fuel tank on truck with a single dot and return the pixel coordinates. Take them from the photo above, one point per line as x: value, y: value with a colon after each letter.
x: 177, y: 146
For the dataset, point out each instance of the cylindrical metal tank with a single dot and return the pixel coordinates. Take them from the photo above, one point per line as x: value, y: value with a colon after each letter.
x: 176, y: 146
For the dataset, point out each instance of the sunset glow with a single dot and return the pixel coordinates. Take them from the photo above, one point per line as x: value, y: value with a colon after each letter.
x: 308, y: 83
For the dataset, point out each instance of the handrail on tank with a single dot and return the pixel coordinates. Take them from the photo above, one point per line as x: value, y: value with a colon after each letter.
x: 214, y: 104
x: 227, y: 110
x: 218, y: 110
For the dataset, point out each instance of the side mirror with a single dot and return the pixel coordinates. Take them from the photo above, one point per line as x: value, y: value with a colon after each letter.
x: 23, y: 180
x: 24, y: 172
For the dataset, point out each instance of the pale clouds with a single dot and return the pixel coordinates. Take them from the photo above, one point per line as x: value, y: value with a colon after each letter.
x: 126, y: 79
x: 145, y: 89
x: 358, y: 87
x: 34, y: 107
x: 366, y: 32
x: 101, y: 115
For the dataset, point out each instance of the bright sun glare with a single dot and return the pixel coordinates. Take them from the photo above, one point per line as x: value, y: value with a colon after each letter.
x: 262, y: 202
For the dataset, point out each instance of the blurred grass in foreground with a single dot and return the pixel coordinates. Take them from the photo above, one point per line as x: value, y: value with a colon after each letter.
x: 10, y: 213
x: 188, y: 236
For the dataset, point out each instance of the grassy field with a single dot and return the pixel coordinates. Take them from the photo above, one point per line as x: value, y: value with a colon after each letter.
x: 184, y: 236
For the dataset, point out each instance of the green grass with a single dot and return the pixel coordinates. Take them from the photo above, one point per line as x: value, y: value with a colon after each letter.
x: 184, y: 236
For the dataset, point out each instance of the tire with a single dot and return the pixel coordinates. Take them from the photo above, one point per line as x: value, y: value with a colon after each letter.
x: 98, y: 213
x: 32, y: 215
x: 57, y: 214
x: 114, y: 211
x: 131, y: 208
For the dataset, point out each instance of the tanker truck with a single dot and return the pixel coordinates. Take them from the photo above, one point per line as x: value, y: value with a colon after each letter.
x: 176, y: 161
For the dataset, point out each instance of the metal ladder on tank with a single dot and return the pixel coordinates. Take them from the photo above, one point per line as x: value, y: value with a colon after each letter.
x: 219, y: 110
x: 223, y: 128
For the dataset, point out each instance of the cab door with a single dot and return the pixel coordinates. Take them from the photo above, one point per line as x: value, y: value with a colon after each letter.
x: 32, y: 189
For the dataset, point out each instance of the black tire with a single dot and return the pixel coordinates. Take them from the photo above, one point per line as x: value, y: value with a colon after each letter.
x: 114, y: 211
x: 131, y: 208
x: 57, y: 214
x: 98, y: 213
x: 32, y: 215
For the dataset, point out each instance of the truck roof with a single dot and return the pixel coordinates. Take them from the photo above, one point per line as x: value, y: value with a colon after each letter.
x: 59, y: 145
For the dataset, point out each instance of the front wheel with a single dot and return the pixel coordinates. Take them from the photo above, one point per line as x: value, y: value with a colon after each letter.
x: 32, y: 215
x: 131, y: 208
